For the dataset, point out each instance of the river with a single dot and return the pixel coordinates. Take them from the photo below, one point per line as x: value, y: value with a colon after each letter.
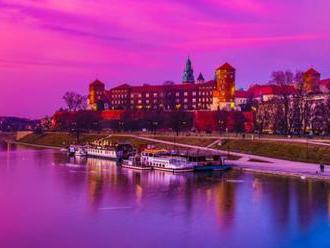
x: 49, y: 200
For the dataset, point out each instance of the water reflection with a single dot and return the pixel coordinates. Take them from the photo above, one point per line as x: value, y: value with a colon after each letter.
x: 234, y: 209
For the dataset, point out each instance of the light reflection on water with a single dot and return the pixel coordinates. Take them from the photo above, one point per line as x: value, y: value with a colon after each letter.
x: 49, y: 200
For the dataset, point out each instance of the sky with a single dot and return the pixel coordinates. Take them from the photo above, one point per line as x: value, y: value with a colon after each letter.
x: 48, y: 47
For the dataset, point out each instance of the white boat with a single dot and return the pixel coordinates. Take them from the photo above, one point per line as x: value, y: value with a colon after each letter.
x: 160, y: 159
x: 182, y: 161
x: 104, y: 152
x: 80, y: 151
x: 134, y: 162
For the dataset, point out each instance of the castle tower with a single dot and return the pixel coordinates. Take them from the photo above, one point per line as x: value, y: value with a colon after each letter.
x: 224, y: 93
x: 188, y: 73
x: 312, y: 80
x: 200, y: 79
x: 96, y: 95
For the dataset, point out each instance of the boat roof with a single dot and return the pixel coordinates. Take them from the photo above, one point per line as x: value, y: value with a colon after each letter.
x: 155, y: 151
x: 196, y: 153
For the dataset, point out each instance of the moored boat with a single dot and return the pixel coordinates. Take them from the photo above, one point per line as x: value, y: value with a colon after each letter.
x: 134, y: 162
x: 103, y: 152
x: 183, y: 161
x: 160, y: 159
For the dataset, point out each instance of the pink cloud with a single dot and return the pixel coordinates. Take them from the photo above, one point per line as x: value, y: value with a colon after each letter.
x: 48, y: 46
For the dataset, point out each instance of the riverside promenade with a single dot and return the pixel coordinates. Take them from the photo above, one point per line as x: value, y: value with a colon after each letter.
x: 260, y: 164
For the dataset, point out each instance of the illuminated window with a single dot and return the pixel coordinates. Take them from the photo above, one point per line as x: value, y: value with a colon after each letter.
x: 177, y: 94
x: 185, y: 93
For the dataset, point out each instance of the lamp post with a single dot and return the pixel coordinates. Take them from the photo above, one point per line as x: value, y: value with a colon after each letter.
x: 154, y: 124
x: 121, y: 126
x: 221, y: 123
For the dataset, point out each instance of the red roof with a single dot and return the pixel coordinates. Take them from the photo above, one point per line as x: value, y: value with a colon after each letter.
x: 97, y: 82
x: 270, y: 89
x: 226, y: 66
x: 325, y: 83
x: 312, y: 71
x: 150, y: 88
x: 121, y: 87
x: 241, y: 94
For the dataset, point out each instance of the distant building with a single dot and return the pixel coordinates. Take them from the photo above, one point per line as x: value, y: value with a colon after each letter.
x: 312, y: 80
x: 190, y: 96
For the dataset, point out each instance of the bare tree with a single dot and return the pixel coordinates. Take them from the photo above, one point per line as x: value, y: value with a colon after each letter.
x: 283, y: 79
x: 75, y: 101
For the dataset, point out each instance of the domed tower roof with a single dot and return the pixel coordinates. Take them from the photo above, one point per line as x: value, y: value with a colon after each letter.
x: 227, y: 67
x: 96, y: 85
x: 312, y: 71
x: 97, y: 82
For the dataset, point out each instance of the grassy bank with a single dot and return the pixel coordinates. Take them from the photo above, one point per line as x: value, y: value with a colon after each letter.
x: 274, y: 149
x: 196, y: 141
x: 7, y: 136
x: 65, y: 139
x: 281, y: 150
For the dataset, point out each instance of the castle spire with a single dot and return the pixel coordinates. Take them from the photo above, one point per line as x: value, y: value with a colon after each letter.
x: 200, y: 78
x: 188, y: 73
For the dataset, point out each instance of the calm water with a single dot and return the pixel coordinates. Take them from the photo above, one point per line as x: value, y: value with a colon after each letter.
x: 48, y: 200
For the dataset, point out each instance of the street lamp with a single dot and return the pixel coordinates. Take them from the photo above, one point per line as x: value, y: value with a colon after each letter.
x: 155, y: 124
x: 221, y: 124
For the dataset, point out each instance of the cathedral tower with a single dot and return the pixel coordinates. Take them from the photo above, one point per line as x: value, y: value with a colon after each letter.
x: 188, y: 73
x: 224, y: 93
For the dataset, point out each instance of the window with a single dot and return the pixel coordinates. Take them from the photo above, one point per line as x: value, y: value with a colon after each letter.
x: 185, y: 100
x: 147, y: 95
x: 155, y: 94
x: 194, y: 93
x: 185, y: 93
x: 177, y: 94
x: 194, y: 100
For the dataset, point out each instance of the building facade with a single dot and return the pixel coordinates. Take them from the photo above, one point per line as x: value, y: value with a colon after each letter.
x: 218, y: 94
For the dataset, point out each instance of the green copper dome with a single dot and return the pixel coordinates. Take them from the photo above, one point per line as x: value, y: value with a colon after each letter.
x: 188, y: 73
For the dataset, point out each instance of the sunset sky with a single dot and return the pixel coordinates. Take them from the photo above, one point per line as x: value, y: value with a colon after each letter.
x: 51, y: 46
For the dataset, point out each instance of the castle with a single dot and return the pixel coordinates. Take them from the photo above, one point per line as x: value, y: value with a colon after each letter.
x: 190, y: 95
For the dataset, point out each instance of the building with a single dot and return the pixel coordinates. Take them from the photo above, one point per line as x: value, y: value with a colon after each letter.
x: 218, y: 94
x: 312, y: 79
x: 224, y: 92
